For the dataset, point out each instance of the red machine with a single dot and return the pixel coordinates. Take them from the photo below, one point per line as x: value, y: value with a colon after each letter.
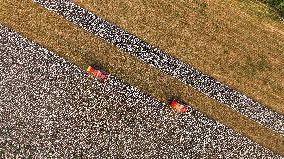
x: 98, y: 72
x: 178, y: 106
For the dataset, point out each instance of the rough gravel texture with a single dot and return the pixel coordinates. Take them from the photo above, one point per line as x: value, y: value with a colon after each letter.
x: 51, y: 108
x: 170, y: 65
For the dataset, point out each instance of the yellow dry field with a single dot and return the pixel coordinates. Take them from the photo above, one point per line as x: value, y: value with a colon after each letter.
x: 263, y: 15
x: 80, y: 47
x: 218, y: 37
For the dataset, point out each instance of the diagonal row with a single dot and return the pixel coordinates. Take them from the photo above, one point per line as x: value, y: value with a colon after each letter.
x: 168, y: 64
x: 51, y: 108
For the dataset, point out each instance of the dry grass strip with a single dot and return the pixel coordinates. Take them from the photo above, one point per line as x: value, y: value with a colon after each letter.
x: 214, y: 36
x: 81, y: 47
